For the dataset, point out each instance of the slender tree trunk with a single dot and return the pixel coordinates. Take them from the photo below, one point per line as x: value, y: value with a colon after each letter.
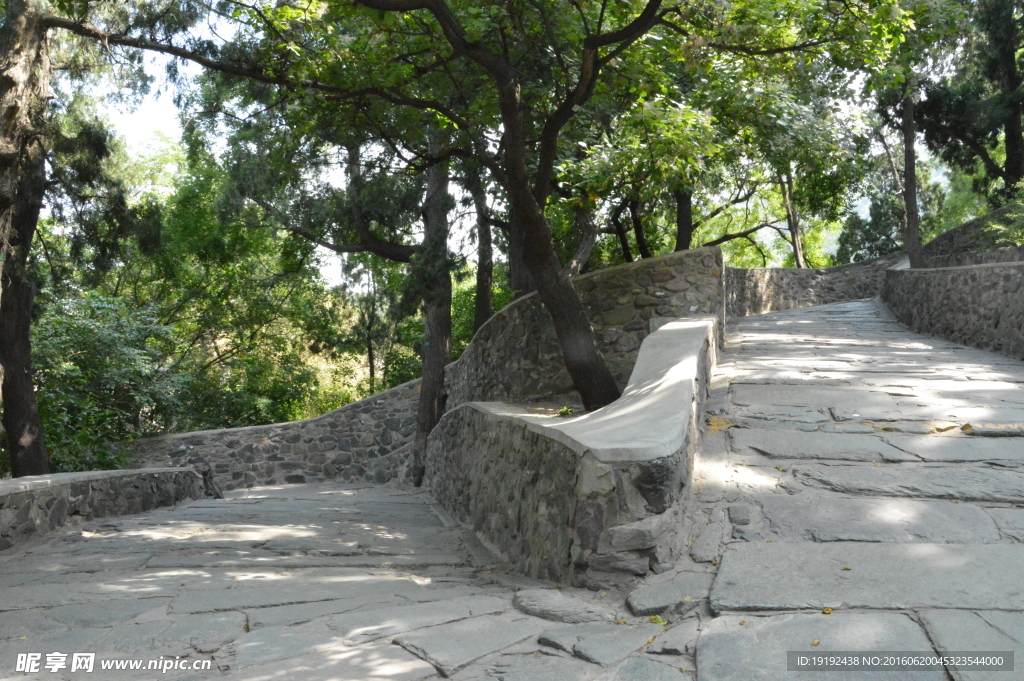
x: 620, y: 232
x: 684, y: 219
x: 912, y: 221
x: 638, y: 229
x: 482, y: 306
x: 792, y: 220
x: 437, y: 308
x: 24, y: 87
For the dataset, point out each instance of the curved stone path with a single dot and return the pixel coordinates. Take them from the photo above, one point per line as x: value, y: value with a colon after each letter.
x: 848, y: 467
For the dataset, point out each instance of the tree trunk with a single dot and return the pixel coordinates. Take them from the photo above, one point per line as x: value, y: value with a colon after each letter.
x: 912, y: 222
x: 26, y: 447
x: 482, y: 306
x: 437, y: 309
x: 1004, y: 35
x: 792, y: 220
x: 620, y: 232
x: 638, y: 229
x: 586, y: 231
x: 24, y: 88
x: 519, y: 278
x: 684, y: 219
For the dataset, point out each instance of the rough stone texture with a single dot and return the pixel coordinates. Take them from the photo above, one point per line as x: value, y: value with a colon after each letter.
x: 684, y: 589
x: 768, y: 289
x: 749, y: 648
x: 365, y: 440
x: 963, y: 630
x: 39, y: 504
x: 600, y: 494
x: 451, y: 647
x: 796, y: 575
x: 981, y: 305
x: 515, y: 355
x: 551, y: 604
x: 602, y: 644
x: 833, y: 518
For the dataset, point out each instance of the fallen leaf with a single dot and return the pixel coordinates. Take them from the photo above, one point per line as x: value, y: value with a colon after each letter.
x: 781, y: 469
x: 688, y: 598
x: 827, y: 611
x: 847, y: 569
x: 603, y: 594
x: 815, y: 643
x: 485, y: 572
x: 714, y: 562
x: 622, y: 622
x: 742, y: 622
x: 656, y: 619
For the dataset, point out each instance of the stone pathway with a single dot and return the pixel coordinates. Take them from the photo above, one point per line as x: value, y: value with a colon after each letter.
x: 859, y: 487
x: 862, y: 487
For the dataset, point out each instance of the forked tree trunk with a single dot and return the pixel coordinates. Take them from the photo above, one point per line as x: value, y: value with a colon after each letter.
x: 620, y: 232
x: 24, y: 87
x: 437, y: 308
x: 684, y: 219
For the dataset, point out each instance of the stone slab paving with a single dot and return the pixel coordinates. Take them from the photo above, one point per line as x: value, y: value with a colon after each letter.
x: 859, y: 487
x: 320, y: 582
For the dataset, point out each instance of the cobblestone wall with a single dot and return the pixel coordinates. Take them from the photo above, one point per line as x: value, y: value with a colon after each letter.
x: 365, y: 440
x: 515, y: 356
x: 979, y: 305
x: 41, y: 503
x: 766, y: 289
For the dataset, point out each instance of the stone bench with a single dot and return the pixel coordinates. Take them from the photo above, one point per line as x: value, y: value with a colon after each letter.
x: 37, y: 504
x: 589, y: 498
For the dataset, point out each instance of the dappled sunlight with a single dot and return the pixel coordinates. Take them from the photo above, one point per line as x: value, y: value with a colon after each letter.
x: 375, y: 662
x: 894, y: 512
x: 719, y: 474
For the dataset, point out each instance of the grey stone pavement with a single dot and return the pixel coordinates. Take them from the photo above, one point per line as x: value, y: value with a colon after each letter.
x: 860, y: 487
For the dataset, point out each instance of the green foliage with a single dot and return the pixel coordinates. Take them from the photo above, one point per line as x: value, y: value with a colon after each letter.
x: 99, y: 379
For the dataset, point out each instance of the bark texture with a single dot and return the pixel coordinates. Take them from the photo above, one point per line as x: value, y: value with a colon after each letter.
x: 437, y: 308
x: 24, y: 87
x: 684, y: 219
x: 912, y: 218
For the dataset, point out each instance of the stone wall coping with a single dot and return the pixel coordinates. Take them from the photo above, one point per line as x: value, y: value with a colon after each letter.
x: 988, y: 265
x: 651, y: 419
x: 31, y: 483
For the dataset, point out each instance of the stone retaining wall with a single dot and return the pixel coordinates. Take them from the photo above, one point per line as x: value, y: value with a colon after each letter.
x: 979, y: 305
x: 593, y: 499
x: 753, y: 291
x: 366, y: 440
x: 515, y: 355
x: 38, y: 504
